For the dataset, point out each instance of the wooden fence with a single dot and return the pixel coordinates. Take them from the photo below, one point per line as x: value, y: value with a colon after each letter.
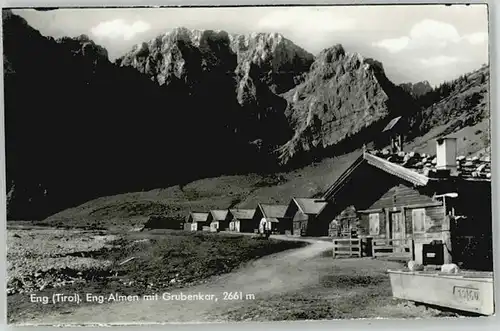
x: 392, y: 248
x: 347, y: 247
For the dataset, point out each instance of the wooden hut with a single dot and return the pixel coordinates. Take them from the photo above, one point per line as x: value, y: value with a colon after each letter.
x: 195, y: 221
x: 271, y: 217
x: 393, y: 134
x: 240, y: 220
x: 218, y: 220
x: 303, y: 212
x: 162, y: 222
x: 409, y: 201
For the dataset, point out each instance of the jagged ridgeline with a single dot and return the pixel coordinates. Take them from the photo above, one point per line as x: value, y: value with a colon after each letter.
x: 185, y: 105
x: 342, y: 103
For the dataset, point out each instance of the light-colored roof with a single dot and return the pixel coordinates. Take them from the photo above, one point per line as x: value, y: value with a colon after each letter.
x: 310, y: 206
x: 273, y: 211
x: 199, y: 217
x: 219, y: 214
x: 477, y: 168
x: 397, y: 170
x: 391, y: 124
x: 415, y: 168
x: 242, y: 213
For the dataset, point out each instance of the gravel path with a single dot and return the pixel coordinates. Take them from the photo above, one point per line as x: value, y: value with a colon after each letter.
x: 270, y: 275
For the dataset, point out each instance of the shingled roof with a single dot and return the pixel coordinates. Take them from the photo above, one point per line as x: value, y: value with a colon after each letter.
x: 418, y: 169
x: 391, y: 124
x: 242, y: 214
x: 467, y: 167
x: 310, y: 206
x: 219, y: 214
x: 273, y: 211
x: 198, y: 217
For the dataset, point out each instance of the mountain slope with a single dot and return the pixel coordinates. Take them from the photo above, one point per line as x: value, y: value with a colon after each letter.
x: 457, y: 104
x: 246, y: 191
x: 344, y: 95
x: 196, y: 104
x: 417, y: 90
x: 232, y: 90
x: 79, y: 126
x: 280, y: 63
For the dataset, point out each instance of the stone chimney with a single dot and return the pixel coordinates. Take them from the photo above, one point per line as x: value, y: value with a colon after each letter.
x: 446, y: 154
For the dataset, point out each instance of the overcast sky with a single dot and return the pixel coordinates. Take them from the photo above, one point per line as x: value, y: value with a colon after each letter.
x: 425, y: 42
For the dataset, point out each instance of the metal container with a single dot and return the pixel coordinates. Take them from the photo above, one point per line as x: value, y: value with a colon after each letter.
x: 465, y: 291
x: 432, y: 254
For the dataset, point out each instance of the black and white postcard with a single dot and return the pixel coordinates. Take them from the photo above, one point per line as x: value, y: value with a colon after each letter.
x: 235, y: 164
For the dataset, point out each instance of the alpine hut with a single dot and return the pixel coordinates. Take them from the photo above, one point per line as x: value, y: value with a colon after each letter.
x: 272, y: 218
x: 433, y: 209
x: 218, y: 220
x: 240, y: 220
x: 195, y: 221
x: 304, y: 215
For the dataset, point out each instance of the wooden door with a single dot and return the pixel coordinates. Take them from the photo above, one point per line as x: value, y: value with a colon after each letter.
x: 296, y: 228
x: 303, y: 229
x: 397, y: 228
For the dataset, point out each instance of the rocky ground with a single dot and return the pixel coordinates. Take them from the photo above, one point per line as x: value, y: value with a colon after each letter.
x: 297, y: 284
x: 46, y: 261
x: 51, y: 258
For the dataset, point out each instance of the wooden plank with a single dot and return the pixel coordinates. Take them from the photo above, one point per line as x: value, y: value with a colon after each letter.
x: 371, y: 211
x: 392, y: 247
x: 425, y: 205
x: 347, y: 247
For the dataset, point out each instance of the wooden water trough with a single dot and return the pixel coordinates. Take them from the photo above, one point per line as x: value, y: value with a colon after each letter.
x: 464, y: 291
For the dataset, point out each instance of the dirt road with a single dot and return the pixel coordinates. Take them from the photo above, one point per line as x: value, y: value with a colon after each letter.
x: 270, y: 275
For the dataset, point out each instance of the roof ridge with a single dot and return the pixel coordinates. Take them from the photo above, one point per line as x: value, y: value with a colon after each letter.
x: 399, y: 170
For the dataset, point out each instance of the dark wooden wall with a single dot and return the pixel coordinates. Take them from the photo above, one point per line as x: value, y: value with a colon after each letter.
x: 372, y: 189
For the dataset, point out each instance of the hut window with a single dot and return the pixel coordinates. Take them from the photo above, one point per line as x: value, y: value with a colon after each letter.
x: 374, y: 220
x: 418, y: 219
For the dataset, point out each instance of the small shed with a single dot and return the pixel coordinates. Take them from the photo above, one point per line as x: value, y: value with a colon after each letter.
x: 393, y: 133
x: 240, y: 220
x: 162, y: 222
x: 272, y: 217
x: 304, y: 215
x: 218, y: 220
x: 195, y: 221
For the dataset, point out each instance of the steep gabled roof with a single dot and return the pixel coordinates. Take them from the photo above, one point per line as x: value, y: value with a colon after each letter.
x: 219, y: 214
x: 242, y: 214
x: 396, y: 170
x: 332, y: 190
x: 382, y: 164
x: 273, y: 211
x: 198, y: 217
x: 309, y: 205
x: 391, y: 124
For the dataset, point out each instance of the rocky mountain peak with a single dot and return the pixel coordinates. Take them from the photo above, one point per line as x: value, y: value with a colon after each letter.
x: 417, y: 89
x: 84, y: 46
x: 278, y: 62
x: 342, y: 96
x: 179, y: 52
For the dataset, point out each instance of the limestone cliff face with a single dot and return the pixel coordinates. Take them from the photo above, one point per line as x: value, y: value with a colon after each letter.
x: 242, y: 69
x: 417, y: 89
x: 456, y: 104
x: 183, y: 54
x: 343, y: 94
x: 190, y: 104
x: 273, y: 60
x: 269, y: 57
